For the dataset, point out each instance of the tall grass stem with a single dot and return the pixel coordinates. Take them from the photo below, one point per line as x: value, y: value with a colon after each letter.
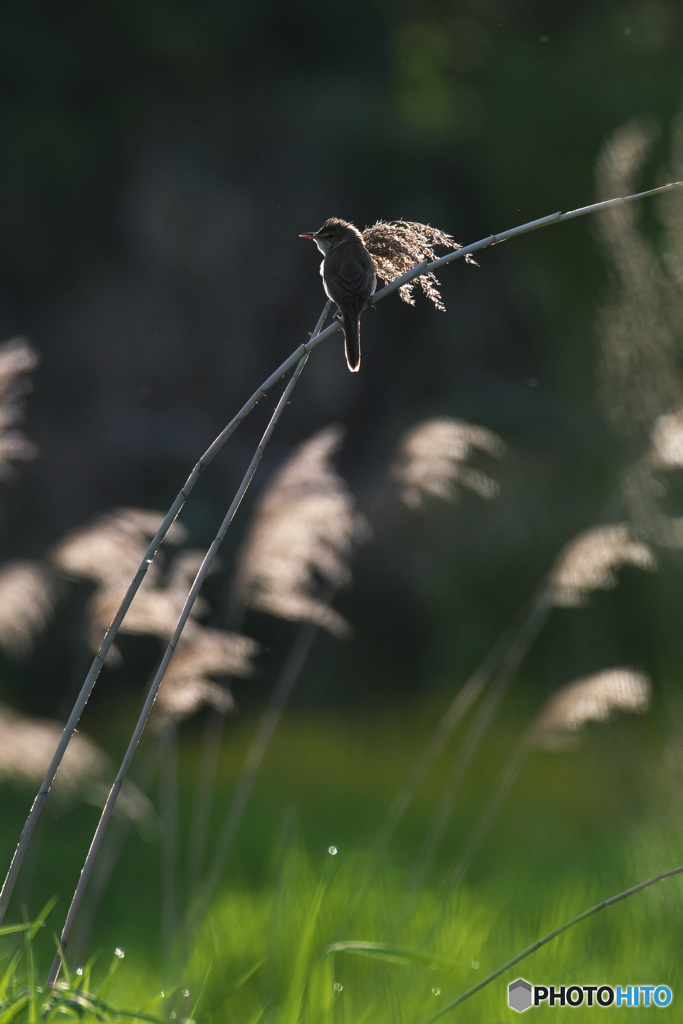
x: 513, y: 659
x: 151, y: 696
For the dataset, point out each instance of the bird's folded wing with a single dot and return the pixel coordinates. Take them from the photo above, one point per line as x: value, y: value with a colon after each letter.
x: 349, y: 280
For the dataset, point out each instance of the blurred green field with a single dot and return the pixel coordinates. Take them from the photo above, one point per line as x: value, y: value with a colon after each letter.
x: 577, y: 828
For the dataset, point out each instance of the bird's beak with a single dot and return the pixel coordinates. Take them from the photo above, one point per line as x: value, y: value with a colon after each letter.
x: 308, y: 234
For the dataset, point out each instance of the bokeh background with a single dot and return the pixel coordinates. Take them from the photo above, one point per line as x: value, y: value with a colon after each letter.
x: 158, y: 162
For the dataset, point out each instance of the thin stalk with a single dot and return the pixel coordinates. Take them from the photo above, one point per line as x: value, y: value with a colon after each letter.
x: 168, y: 810
x: 503, y: 786
x: 208, y: 768
x: 269, y: 720
x: 515, y: 655
x: 458, y: 708
x: 209, y: 759
x: 116, y: 838
x: 548, y: 938
x: 304, y: 349
x: 151, y: 696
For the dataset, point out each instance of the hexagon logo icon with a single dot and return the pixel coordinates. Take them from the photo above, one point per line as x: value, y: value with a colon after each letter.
x: 519, y: 995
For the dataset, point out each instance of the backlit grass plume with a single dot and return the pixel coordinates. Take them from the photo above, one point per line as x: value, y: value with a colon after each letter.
x: 667, y: 441
x: 201, y: 654
x: 592, y: 699
x: 16, y: 359
x: 26, y: 747
x: 104, y: 553
x: 28, y: 592
x: 304, y: 530
x: 432, y: 460
x: 397, y: 246
x: 109, y: 552
x: 590, y: 562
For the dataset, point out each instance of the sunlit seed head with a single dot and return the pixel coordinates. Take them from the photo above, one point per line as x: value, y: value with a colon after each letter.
x: 186, y: 993
x: 431, y: 460
x: 338, y: 987
x: 28, y: 594
x: 79, y: 970
x: 332, y: 850
x: 304, y: 530
x: 592, y: 699
x: 119, y: 952
x: 667, y: 440
x: 398, y: 246
x: 436, y: 991
x: 591, y: 561
x: 202, y: 653
x: 16, y: 358
x: 638, y: 325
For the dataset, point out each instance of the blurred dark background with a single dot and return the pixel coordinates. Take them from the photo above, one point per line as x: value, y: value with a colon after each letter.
x: 158, y: 161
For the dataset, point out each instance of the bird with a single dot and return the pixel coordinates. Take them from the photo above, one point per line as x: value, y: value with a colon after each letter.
x: 349, y: 278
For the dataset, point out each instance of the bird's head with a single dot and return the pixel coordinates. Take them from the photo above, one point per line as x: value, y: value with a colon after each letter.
x: 332, y: 233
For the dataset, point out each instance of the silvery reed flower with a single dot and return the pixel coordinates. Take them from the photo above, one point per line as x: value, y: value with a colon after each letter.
x: 201, y: 654
x: 305, y: 528
x: 590, y: 562
x: 109, y: 553
x: 26, y: 749
x: 667, y: 440
x: 592, y: 699
x: 432, y: 460
x: 28, y: 593
x: 399, y: 245
x: 16, y: 359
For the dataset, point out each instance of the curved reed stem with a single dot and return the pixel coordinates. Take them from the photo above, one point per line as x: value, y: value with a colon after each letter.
x: 154, y: 688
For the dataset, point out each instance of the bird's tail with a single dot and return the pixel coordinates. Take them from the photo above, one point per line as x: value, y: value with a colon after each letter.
x: 351, y: 325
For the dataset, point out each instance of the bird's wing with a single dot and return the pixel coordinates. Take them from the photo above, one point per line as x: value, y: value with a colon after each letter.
x: 349, y: 278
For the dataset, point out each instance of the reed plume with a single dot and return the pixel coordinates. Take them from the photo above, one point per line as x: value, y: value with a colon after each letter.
x: 26, y: 747
x: 397, y: 246
x: 432, y: 460
x: 17, y: 358
x: 28, y: 595
x: 305, y: 528
x: 591, y: 561
x: 594, y: 698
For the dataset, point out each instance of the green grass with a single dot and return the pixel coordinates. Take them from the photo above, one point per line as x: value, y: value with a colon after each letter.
x: 577, y: 828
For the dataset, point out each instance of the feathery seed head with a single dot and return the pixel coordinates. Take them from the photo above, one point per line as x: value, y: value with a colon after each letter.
x: 28, y: 593
x: 110, y: 550
x: 26, y: 749
x: 305, y: 527
x: 432, y: 457
x: 592, y: 699
x: 188, y: 685
x: 16, y: 359
x: 399, y: 245
x: 667, y: 440
x: 591, y: 561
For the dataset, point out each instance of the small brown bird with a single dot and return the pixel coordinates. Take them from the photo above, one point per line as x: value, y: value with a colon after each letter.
x: 349, y: 278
